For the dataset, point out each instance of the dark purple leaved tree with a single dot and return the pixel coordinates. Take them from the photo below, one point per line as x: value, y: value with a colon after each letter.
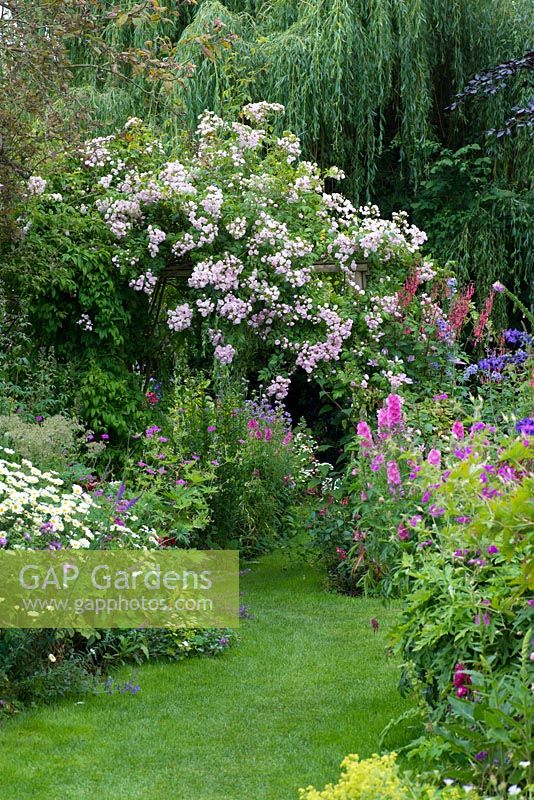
x: 494, y: 80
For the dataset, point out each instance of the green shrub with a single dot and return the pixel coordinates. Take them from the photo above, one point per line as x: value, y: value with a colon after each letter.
x: 42, y: 666
x: 465, y: 633
x: 256, y: 465
x: 221, y: 472
x: 32, y: 382
x: 50, y: 442
x: 380, y: 778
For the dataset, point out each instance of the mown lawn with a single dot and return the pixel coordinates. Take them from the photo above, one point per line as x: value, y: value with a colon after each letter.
x: 308, y: 683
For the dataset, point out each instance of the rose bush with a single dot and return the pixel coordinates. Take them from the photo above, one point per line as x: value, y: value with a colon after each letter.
x: 239, y: 210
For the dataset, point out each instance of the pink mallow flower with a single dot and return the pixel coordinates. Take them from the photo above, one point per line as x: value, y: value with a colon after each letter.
x: 434, y: 458
x: 393, y: 474
x: 458, y: 430
x: 393, y: 410
x: 364, y: 432
x: 383, y: 423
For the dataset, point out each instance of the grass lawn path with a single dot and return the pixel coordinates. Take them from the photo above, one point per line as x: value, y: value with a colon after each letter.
x: 308, y: 683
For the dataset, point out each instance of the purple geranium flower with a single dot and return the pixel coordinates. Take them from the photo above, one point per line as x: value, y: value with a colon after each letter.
x: 436, y: 511
x: 377, y: 462
x: 458, y: 430
x: 525, y: 426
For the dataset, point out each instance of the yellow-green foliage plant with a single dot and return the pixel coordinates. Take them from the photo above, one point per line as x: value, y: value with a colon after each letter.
x: 380, y: 778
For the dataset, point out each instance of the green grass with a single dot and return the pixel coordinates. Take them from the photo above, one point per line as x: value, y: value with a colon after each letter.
x: 308, y: 683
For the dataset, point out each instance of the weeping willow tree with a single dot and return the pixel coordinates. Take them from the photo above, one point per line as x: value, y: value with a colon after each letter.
x: 365, y: 84
x: 357, y: 76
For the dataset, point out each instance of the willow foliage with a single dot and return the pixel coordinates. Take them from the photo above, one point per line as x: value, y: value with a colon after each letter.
x: 365, y: 84
x: 357, y: 76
